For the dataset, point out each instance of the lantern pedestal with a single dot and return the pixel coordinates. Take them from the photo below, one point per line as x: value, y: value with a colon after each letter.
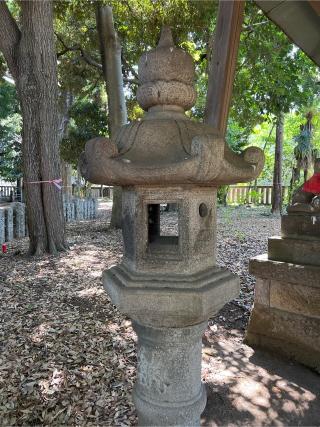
x: 169, y: 315
x: 169, y: 391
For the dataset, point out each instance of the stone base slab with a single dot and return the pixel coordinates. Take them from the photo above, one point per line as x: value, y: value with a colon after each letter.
x: 286, y: 312
x: 265, y: 268
x: 295, y: 251
x: 170, y: 300
x: 293, y: 335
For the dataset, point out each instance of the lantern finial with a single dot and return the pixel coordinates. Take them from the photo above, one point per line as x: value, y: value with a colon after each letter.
x: 166, y: 39
x: 166, y: 76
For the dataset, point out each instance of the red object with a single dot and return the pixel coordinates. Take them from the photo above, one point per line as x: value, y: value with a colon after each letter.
x: 313, y: 184
x: 4, y: 248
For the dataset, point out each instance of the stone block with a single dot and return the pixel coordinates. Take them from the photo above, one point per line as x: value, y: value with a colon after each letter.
x: 299, y: 299
x: 191, y: 251
x: 78, y: 209
x: 85, y: 209
x: 262, y: 291
x: 95, y: 208
x: 19, y: 219
x: 165, y: 300
x: 291, y: 334
x: 73, y: 211
x: 2, y: 226
x: 301, y: 224
x: 295, y: 251
x: 291, y: 324
x: 262, y: 267
x: 91, y: 204
x: 8, y: 213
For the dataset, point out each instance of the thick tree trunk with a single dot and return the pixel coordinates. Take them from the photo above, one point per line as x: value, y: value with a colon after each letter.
x: 277, y: 174
x: 111, y: 63
x: 37, y: 91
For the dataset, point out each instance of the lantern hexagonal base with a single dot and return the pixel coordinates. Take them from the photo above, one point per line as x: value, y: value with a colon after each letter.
x: 170, y: 300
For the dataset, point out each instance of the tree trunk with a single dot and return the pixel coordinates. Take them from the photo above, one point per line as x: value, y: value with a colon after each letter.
x: 65, y: 103
x: 19, y: 190
x: 277, y: 174
x: 32, y: 62
x: 223, y: 63
x: 66, y: 174
x: 111, y: 64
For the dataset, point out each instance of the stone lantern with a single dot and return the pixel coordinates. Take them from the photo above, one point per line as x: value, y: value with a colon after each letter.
x: 168, y: 285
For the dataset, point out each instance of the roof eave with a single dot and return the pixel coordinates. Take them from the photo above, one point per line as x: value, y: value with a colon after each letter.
x: 299, y: 20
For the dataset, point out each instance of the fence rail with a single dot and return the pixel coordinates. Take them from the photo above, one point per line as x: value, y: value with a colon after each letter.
x: 260, y: 195
x: 8, y: 192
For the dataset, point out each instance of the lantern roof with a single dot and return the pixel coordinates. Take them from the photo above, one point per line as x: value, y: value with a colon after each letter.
x: 166, y: 146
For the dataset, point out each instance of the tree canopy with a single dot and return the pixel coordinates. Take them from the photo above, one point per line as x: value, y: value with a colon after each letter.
x: 272, y: 74
x: 10, y: 133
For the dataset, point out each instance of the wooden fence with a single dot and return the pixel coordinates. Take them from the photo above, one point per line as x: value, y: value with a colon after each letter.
x: 101, y: 191
x: 260, y: 195
x: 8, y: 193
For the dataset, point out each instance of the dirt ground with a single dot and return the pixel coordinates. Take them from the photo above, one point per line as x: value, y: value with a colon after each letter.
x: 68, y: 356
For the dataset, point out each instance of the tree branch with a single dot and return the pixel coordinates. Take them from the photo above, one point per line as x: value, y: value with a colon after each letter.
x: 128, y: 67
x: 87, y: 58
x: 9, y: 37
x: 249, y: 27
x: 131, y: 81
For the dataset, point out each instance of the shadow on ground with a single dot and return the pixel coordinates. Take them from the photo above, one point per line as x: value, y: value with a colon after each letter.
x: 249, y: 387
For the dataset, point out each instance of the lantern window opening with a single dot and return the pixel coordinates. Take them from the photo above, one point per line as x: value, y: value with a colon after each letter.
x: 163, y: 226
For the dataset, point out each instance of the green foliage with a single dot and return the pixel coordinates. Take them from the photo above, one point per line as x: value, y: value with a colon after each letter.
x: 10, y: 133
x: 8, y: 100
x: 88, y: 119
x: 3, y: 66
x: 138, y: 24
x: 222, y: 194
x: 303, y: 141
x: 272, y: 74
x: 237, y: 136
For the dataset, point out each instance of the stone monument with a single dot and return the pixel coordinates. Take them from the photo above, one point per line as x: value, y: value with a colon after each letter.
x: 286, y: 312
x: 168, y: 285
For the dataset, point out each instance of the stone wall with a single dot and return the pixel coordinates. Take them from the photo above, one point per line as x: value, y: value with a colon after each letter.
x: 80, y: 209
x: 286, y: 313
x: 13, y: 222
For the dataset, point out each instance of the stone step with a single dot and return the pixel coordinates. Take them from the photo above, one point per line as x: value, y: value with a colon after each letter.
x: 294, y: 250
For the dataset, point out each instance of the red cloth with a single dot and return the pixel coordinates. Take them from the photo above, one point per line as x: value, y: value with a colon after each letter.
x: 313, y: 184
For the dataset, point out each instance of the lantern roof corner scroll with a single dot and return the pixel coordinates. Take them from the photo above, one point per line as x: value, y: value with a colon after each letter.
x: 165, y: 146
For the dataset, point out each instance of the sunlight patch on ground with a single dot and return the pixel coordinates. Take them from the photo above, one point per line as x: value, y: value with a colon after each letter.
x: 255, y: 392
x: 91, y: 292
